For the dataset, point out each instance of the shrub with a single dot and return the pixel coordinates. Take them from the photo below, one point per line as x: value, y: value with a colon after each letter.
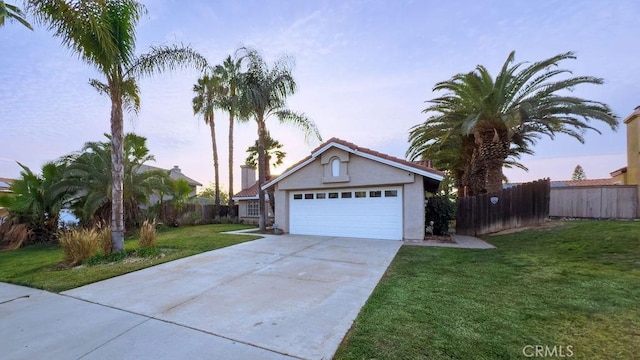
x: 14, y: 235
x: 190, y: 218
x: 79, y: 245
x: 440, y: 209
x: 148, y: 235
x: 104, y: 239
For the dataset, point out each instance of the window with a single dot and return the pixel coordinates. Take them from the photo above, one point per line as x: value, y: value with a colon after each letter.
x: 361, y: 194
x: 333, y: 195
x: 308, y: 196
x: 375, y: 194
x: 391, y: 193
x: 297, y: 196
x: 335, y: 167
x: 321, y: 196
x: 346, y: 195
x: 252, y: 208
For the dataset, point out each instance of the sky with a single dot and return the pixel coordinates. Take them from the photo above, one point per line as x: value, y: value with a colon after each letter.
x: 364, y: 70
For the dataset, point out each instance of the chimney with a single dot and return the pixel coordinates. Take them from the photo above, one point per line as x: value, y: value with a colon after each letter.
x: 248, y: 176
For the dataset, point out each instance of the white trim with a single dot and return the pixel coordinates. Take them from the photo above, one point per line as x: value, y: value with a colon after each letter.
x: 356, y: 152
x: 246, y: 198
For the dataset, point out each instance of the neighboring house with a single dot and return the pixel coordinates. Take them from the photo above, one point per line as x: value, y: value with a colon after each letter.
x: 630, y: 174
x: 344, y: 190
x: 247, y: 198
x: 175, y: 174
x: 4, y: 189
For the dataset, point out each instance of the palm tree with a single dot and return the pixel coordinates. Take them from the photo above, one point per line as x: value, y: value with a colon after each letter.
x: 273, y: 150
x: 87, y: 181
x: 229, y: 73
x: 265, y: 92
x: 508, y: 113
x: 12, y: 12
x: 208, y: 92
x: 35, y: 202
x: 102, y: 33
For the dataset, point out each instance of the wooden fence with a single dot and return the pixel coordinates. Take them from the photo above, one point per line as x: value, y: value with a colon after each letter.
x: 522, y: 205
x: 598, y: 202
x: 195, y: 213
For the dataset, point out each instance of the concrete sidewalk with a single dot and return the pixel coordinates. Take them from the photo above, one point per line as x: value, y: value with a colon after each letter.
x: 36, y: 324
x: 274, y: 298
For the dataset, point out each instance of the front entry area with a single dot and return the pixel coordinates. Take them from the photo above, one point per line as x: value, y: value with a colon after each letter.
x: 372, y: 213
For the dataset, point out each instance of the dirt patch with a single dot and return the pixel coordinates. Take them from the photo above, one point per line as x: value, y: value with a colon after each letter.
x: 268, y: 231
x: 546, y: 225
x: 432, y: 240
x: 440, y: 238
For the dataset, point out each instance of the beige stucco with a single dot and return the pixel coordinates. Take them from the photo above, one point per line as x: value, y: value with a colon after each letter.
x: 360, y: 172
x: 632, y: 177
x: 413, y: 210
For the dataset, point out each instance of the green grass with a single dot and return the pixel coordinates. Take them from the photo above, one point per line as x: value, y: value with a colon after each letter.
x: 39, y: 266
x: 577, y: 285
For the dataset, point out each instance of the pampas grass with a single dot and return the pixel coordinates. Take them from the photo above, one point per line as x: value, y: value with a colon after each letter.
x: 148, y: 237
x: 79, y: 245
x: 104, y: 239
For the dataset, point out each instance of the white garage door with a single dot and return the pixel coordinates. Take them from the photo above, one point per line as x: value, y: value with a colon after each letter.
x: 374, y: 213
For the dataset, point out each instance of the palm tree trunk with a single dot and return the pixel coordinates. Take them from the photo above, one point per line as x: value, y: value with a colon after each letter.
x: 267, y: 172
x: 117, y: 170
x: 231, y: 121
x: 216, y: 171
x: 262, y: 222
x: 493, y: 149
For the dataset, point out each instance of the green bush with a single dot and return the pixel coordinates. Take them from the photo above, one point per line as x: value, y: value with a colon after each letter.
x: 440, y: 209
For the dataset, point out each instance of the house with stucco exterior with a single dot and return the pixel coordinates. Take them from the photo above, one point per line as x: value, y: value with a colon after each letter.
x: 247, y: 198
x: 345, y: 190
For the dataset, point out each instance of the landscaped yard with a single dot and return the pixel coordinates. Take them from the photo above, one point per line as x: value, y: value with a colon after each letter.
x: 575, y: 288
x: 39, y: 265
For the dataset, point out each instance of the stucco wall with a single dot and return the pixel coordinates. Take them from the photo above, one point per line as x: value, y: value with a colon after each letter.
x: 282, y: 209
x: 361, y: 172
x: 413, y: 210
x: 633, y: 150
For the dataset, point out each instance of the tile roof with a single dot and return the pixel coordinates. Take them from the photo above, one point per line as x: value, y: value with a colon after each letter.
x: 172, y: 173
x: 617, y: 172
x: 250, y: 192
x: 587, y: 182
x: 5, y: 183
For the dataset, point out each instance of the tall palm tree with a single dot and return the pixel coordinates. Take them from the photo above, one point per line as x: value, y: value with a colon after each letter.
x: 265, y: 92
x: 103, y: 34
x: 273, y: 151
x: 208, y: 92
x: 511, y: 111
x: 12, y: 12
x: 229, y: 73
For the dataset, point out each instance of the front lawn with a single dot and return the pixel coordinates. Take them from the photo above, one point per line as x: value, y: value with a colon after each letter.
x: 575, y: 289
x: 39, y: 265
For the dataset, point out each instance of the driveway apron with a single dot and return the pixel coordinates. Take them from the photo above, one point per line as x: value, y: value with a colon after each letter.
x: 281, y: 296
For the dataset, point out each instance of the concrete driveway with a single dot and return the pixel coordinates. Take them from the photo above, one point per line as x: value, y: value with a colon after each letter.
x: 279, y: 297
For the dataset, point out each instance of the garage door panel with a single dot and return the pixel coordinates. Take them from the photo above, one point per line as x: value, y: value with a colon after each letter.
x: 369, y: 217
